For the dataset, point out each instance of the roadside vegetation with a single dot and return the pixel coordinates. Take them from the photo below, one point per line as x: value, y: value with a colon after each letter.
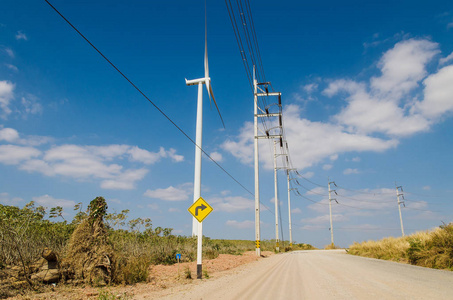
x: 432, y: 249
x: 39, y: 246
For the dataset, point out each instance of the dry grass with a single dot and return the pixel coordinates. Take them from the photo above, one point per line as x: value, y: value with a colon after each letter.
x: 331, y: 246
x: 433, y: 249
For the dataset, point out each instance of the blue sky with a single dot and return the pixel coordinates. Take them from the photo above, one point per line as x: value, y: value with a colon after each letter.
x: 366, y: 87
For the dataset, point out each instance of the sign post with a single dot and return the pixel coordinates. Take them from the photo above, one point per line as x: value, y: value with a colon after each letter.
x: 200, y: 209
x: 178, y: 257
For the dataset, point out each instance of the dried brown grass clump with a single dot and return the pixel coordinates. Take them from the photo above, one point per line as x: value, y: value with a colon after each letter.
x: 90, y: 255
x: 436, y: 251
x: 389, y: 248
x: 433, y: 249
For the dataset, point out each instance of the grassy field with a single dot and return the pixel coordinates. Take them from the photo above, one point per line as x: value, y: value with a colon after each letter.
x: 433, y: 249
x: 124, y: 247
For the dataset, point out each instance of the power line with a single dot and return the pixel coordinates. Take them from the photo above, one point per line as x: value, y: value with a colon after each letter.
x: 149, y: 100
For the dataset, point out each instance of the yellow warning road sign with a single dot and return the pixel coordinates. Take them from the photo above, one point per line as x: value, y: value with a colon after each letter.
x: 200, y: 209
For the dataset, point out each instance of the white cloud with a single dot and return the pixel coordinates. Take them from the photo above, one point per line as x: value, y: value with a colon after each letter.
x: 9, y: 135
x: 109, y: 152
x: 438, y: 94
x: 317, y: 191
x: 310, y: 88
x: 175, y: 157
x: 403, y: 66
x: 356, y: 159
x: 327, y: 167
x: 296, y: 210
x: 272, y: 200
x: 153, y: 206
x: 240, y: 225
x: 308, y: 175
x: 48, y: 201
x: 333, y: 157
x: 80, y: 162
x: 21, y: 36
x: 350, y: 171
x: 311, y: 142
x: 10, y: 52
x: 125, y: 180
x: 426, y: 188
x: 225, y: 193
x: 216, y: 156
x: 172, y: 209
x: 180, y: 193
x: 367, y: 114
x: 31, y: 105
x: 144, y: 156
x: 6, y: 199
x: 13, y: 155
x: 37, y: 165
x: 402, y: 101
x: 6, y: 95
x: 104, y: 163
x: 445, y: 60
x: 360, y: 201
x: 325, y: 219
x: 243, y: 148
x: 12, y: 67
x: 147, y: 157
x: 232, y: 203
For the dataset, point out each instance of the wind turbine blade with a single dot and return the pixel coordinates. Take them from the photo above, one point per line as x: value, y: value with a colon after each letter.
x: 206, y: 66
x: 206, y: 63
x: 210, y: 92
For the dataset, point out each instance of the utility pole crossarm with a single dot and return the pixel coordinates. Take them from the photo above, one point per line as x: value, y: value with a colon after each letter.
x: 268, y: 115
x: 268, y: 94
x: 271, y: 136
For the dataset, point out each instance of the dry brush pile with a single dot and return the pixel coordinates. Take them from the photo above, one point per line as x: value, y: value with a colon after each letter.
x: 433, y: 249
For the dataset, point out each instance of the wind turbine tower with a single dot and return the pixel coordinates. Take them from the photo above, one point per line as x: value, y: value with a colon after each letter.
x: 206, y: 80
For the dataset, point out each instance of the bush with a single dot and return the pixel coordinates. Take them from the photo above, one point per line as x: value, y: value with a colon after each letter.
x: 433, y: 249
x: 25, y: 233
x: 133, y: 270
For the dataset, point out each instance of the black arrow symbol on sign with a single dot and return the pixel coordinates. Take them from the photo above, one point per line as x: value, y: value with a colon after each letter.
x: 202, y: 207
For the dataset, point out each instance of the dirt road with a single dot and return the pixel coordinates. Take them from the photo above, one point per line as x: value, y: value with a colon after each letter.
x: 322, y: 275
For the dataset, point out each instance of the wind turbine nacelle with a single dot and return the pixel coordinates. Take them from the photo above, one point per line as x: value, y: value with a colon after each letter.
x: 196, y: 81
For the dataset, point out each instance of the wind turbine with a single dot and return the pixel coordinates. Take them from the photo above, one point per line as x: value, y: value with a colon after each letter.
x: 206, y: 80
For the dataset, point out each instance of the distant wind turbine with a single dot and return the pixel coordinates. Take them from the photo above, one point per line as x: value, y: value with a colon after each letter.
x: 206, y: 80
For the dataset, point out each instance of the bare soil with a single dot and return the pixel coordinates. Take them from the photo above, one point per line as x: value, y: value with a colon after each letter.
x: 161, y: 281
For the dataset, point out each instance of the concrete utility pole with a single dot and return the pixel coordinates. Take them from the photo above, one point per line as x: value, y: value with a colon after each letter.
x: 289, y: 209
x: 277, y: 248
x: 330, y: 211
x: 260, y: 89
x: 257, y: 176
x: 398, y: 194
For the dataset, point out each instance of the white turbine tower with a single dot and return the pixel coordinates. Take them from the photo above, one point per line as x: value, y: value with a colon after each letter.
x: 206, y: 80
